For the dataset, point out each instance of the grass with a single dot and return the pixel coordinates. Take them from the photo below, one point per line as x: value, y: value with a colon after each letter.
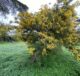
x: 14, y: 62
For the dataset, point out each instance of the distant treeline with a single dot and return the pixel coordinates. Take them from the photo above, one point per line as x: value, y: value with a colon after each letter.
x: 7, y: 33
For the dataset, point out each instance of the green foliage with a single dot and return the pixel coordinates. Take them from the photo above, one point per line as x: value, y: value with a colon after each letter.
x: 5, y: 34
x: 49, y: 28
x: 3, y: 31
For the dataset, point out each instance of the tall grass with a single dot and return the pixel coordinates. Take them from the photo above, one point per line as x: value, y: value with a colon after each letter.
x: 14, y: 62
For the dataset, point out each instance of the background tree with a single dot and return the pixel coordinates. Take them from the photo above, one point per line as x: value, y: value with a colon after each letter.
x: 3, y: 32
x: 49, y: 28
x: 11, y: 5
x: 7, y: 32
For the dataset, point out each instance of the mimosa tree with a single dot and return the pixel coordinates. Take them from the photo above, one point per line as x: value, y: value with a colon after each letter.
x: 49, y: 28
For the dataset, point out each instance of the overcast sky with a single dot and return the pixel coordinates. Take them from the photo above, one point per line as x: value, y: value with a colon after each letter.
x: 34, y: 5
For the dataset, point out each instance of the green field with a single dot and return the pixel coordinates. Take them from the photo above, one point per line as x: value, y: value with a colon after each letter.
x: 14, y: 62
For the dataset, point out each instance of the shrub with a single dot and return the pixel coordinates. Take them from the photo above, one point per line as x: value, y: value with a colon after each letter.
x: 49, y: 28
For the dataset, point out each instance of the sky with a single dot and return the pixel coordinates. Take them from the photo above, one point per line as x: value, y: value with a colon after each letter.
x: 34, y: 5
